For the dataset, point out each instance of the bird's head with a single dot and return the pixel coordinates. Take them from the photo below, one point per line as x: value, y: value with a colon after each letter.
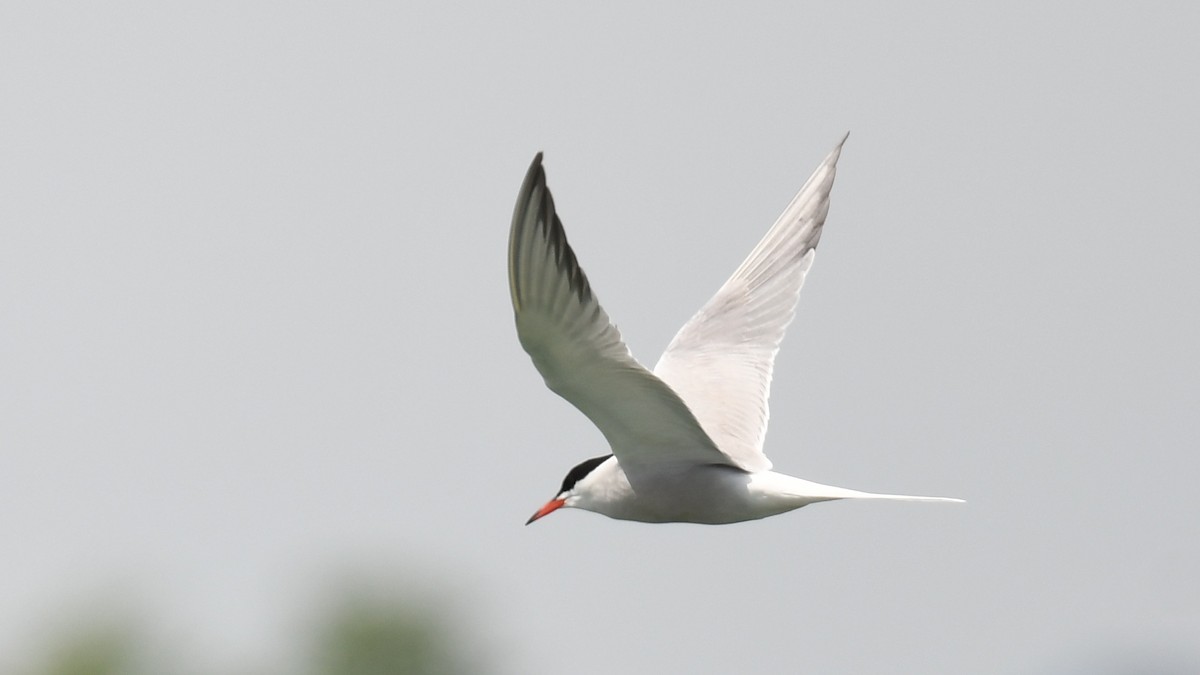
x: 568, y: 494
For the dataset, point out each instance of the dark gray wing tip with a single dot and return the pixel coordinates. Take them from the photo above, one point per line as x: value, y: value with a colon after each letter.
x: 564, y: 255
x: 548, y: 225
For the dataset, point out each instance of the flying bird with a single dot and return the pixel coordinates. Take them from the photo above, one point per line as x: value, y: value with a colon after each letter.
x: 687, y: 437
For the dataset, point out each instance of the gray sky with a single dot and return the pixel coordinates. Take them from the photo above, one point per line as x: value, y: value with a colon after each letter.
x: 255, y: 330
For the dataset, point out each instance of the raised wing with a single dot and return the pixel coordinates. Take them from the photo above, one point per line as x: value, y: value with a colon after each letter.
x: 720, y: 362
x: 580, y: 353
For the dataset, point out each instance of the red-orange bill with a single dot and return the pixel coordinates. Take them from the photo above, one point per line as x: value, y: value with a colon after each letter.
x: 550, y: 507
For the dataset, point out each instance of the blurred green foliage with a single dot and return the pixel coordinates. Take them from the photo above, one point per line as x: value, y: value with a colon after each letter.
x: 370, y: 636
x: 357, y: 634
x: 102, y: 649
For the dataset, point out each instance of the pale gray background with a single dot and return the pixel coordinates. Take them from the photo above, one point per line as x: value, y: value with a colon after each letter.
x: 256, y: 330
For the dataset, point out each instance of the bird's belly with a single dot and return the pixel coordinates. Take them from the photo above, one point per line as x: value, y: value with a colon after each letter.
x: 709, y: 494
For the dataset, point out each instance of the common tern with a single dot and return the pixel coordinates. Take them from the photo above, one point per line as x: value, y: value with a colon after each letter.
x: 687, y: 437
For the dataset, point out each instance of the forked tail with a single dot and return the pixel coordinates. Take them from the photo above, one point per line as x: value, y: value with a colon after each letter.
x: 798, y: 487
x: 906, y: 498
